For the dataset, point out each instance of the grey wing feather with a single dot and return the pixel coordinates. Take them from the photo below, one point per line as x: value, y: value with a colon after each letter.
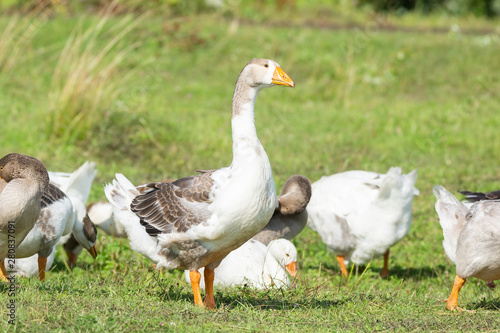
x: 165, y: 207
x: 51, y: 195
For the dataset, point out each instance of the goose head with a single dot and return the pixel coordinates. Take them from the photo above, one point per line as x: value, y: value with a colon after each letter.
x: 15, y: 165
x: 84, y: 229
x: 285, y: 253
x: 295, y: 195
x: 262, y: 73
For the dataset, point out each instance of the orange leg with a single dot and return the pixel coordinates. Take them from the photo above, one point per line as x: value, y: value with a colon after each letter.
x: 209, y: 288
x: 341, y: 260
x: 3, y: 272
x: 42, y: 262
x: 195, y: 278
x: 452, y: 301
x: 385, y: 270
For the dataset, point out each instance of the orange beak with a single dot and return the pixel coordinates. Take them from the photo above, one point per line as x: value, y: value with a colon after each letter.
x: 292, y: 268
x: 93, y: 252
x: 281, y: 78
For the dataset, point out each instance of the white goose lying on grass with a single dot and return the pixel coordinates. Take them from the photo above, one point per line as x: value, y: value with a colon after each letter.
x: 360, y: 215
x: 471, y: 239
x: 290, y: 217
x: 23, y: 180
x: 197, y: 221
x: 257, y: 265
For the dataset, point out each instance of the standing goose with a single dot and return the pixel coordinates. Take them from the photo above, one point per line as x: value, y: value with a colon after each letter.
x: 56, y: 219
x: 471, y: 239
x: 23, y: 180
x: 59, y: 217
x: 63, y: 216
x: 290, y: 217
x: 196, y: 221
x: 360, y: 215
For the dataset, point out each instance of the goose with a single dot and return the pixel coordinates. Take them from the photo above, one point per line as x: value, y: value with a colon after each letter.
x: 56, y: 218
x: 196, y: 221
x: 290, y: 218
x: 471, y: 239
x: 59, y: 217
x: 23, y: 180
x: 256, y: 265
x: 101, y: 215
x: 77, y: 185
x: 63, y: 215
x: 360, y: 214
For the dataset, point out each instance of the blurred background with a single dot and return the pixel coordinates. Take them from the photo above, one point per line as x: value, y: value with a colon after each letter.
x: 144, y: 87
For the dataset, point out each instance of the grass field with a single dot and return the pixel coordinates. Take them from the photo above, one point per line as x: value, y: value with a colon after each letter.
x: 151, y: 97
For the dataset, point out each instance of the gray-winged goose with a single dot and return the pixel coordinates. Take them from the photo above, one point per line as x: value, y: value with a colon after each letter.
x: 195, y: 222
x: 360, y: 214
x: 290, y: 217
x: 63, y: 215
x: 471, y: 239
x: 23, y: 180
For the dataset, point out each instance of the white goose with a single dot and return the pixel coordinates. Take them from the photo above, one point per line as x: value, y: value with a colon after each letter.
x: 23, y: 180
x: 195, y: 222
x: 360, y: 215
x: 471, y: 239
x: 290, y: 217
x: 101, y: 215
x: 77, y: 186
x: 257, y: 265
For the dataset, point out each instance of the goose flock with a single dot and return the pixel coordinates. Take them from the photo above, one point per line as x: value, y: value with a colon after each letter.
x: 227, y: 227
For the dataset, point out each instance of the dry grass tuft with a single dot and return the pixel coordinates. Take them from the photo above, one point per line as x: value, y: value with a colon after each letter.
x: 86, y: 80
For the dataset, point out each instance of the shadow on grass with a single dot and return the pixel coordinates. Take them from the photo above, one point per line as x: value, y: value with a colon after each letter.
x: 485, y: 305
x: 407, y: 273
x: 273, y: 298
x: 416, y: 274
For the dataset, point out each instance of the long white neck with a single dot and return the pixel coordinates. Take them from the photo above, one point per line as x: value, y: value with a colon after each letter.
x: 245, y: 140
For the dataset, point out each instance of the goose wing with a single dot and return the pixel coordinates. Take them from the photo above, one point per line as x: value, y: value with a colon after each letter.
x: 177, y: 206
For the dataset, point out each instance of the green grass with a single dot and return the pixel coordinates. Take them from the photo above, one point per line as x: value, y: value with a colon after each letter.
x: 364, y: 99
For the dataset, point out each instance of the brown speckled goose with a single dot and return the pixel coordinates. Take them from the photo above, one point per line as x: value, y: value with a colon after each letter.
x: 195, y: 222
x: 290, y: 217
x: 23, y: 180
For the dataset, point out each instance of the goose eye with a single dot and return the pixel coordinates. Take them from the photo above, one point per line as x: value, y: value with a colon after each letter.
x: 266, y: 65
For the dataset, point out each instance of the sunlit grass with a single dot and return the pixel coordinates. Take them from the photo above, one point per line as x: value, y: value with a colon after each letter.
x: 362, y: 101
